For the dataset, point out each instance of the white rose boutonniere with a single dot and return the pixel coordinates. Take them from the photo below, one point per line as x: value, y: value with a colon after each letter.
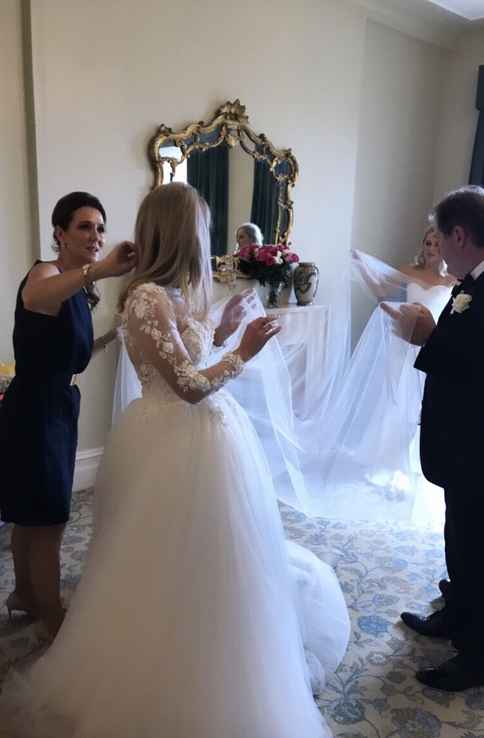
x: 461, y: 302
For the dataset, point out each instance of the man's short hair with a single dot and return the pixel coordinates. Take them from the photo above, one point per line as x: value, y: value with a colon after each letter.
x: 465, y: 208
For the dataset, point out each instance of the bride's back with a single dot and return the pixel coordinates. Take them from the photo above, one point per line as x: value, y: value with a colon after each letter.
x: 162, y: 310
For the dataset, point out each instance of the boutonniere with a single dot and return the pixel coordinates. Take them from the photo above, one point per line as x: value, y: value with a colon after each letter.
x: 461, y: 302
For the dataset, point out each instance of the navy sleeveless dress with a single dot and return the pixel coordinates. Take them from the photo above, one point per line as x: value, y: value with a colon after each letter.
x: 39, y: 414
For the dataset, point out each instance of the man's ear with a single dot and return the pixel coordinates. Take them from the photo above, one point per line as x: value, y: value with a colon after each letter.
x: 460, y: 236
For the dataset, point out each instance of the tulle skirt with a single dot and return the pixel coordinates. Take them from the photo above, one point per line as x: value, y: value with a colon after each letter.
x: 193, y: 617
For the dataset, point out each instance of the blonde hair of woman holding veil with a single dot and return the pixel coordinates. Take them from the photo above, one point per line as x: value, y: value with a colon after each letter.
x: 428, y: 265
x: 189, y: 604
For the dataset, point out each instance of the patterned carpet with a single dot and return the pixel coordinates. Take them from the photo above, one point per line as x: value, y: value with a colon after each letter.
x: 382, y: 571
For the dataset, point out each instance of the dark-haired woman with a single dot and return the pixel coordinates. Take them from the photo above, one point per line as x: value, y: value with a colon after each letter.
x: 53, y: 341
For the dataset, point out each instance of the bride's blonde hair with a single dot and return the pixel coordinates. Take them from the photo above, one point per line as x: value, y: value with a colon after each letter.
x: 172, y: 240
x: 419, y: 261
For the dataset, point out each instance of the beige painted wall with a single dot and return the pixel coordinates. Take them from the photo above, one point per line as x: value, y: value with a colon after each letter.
x: 16, y: 252
x: 401, y: 102
x: 101, y: 90
x: 401, y: 98
x: 459, y: 115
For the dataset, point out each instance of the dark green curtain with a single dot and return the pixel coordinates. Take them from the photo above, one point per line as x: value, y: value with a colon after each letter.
x: 208, y: 172
x: 476, y: 176
x: 264, y: 201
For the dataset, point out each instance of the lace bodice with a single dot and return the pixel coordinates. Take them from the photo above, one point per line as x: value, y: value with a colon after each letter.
x: 170, y: 349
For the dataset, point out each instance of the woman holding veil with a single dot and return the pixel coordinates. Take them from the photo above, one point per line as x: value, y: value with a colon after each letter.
x: 369, y: 467
x: 193, y: 616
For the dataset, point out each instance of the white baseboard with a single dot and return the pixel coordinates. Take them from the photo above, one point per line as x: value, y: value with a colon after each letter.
x: 87, y: 464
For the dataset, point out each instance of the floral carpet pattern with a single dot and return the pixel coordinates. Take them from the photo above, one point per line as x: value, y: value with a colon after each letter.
x: 383, y: 570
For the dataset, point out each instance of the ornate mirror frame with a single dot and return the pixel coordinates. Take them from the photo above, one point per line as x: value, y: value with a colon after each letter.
x: 231, y: 123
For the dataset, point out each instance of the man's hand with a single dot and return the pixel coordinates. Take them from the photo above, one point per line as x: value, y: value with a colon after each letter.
x: 412, y: 322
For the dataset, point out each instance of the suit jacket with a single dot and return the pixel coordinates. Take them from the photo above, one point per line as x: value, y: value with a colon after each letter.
x: 452, y: 421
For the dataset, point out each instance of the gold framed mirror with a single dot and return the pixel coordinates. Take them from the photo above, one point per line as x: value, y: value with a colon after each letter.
x: 213, y: 157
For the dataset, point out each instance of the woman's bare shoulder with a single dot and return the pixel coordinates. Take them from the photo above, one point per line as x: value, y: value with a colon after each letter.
x: 409, y: 269
x: 42, y: 270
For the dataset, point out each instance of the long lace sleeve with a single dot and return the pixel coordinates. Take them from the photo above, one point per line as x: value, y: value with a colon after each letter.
x: 155, y: 339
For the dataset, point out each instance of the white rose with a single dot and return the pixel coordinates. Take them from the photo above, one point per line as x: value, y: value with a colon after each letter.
x: 461, y: 302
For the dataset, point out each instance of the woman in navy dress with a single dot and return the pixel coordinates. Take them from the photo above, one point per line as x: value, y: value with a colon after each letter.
x: 53, y: 341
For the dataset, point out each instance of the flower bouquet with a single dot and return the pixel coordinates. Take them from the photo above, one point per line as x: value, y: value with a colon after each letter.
x: 270, y: 265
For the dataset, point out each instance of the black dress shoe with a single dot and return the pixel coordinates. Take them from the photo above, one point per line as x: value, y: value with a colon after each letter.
x: 444, y: 586
x: 434, y: 626
x: 451, y: 676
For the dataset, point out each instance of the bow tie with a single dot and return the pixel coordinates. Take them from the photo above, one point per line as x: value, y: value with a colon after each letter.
x: 466, y: 283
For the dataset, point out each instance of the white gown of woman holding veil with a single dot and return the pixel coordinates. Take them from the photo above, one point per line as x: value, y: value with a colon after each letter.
x: 371, y: 468
x: 390, y: 402
x: 193, y: 617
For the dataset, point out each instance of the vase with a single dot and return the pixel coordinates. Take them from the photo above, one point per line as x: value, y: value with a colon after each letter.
x: 306, y: 281
x: 274, y: 294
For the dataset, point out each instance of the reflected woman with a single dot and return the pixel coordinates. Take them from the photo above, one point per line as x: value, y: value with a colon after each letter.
x: 247, y: 234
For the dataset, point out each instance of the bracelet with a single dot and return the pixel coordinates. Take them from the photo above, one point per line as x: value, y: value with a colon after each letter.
x: 85, y: 271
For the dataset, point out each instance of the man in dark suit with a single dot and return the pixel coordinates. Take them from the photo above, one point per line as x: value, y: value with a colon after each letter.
x: 452, y: 435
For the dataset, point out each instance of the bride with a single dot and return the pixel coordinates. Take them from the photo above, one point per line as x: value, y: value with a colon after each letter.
x: 375, y: 419
x: 193, y: 616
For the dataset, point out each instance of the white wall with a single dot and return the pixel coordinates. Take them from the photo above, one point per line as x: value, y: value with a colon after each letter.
x: 459, y: 115
x: 103, y: 87
x: 401, y: 100
x: 16, y: 251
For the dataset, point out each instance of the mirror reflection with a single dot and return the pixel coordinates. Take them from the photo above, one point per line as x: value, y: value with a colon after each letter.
x: 242, y: 176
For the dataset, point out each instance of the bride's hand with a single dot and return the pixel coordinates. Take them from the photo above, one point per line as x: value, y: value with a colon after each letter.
x: 256, y: 335
x: 233, y: 315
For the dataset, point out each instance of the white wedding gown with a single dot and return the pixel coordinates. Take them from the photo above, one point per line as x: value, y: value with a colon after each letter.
x: 194, y: 618
x: 373, y: 455
x: 390, y: 437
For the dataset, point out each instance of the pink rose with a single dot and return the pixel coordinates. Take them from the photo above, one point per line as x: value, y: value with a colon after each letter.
x: 265, y: 257
x: 290, y: 256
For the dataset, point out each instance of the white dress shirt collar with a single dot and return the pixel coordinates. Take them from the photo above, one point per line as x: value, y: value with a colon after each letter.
x: 477, y: 271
